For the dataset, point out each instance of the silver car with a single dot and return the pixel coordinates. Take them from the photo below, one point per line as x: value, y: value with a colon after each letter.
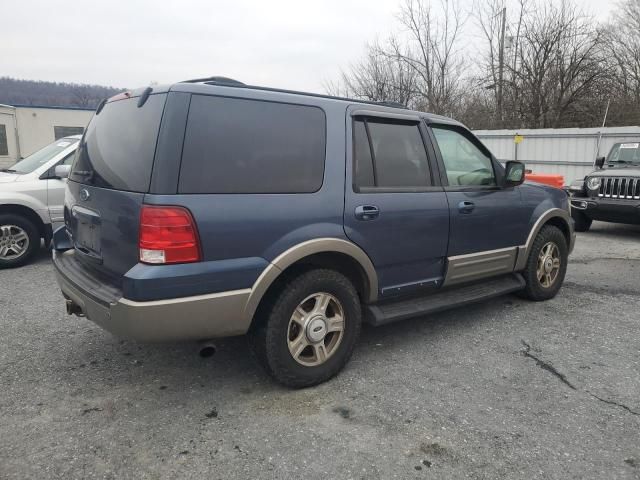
x: 31, y: 200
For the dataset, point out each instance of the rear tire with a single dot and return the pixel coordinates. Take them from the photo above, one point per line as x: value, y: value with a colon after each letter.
x: 583, y: 223
x: 309, y: 328
x: 546, y: 265
x: 19, y: 240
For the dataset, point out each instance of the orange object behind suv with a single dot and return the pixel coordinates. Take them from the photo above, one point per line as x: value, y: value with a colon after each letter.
x: 553, y: 180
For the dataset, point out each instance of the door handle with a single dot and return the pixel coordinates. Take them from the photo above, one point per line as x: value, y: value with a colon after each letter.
x: 367, y: 212
x: 466, y: 207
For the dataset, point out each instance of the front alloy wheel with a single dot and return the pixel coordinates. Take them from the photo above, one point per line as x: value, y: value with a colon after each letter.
x: 548, y: 264
x: 19, y: 240
x: 14, y: 242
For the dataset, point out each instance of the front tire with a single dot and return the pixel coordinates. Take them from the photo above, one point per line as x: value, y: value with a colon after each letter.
x: 546, y: 265
x: 309, y: 328
x: 19, y: 240
x: 583, y: 223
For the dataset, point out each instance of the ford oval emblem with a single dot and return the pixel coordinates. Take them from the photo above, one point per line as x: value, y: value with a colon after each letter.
x: 84, y: 195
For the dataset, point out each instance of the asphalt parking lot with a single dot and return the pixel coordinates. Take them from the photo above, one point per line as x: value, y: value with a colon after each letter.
x: 505, y: 389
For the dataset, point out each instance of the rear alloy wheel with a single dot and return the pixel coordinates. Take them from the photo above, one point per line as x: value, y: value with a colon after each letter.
x: 309, y: 328
x: 546, y: 265
x: 315, y: 329
x: 19, y: 240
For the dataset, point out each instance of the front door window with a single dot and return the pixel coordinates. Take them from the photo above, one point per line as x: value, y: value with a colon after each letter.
x: 465, y: 164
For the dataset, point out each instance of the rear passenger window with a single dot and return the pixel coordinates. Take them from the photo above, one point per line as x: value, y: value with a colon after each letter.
x: 389, y: 154
x: 249, y: 146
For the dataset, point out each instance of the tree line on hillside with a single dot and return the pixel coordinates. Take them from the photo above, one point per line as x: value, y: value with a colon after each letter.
x: 528, y: 64
x: 52, y: 94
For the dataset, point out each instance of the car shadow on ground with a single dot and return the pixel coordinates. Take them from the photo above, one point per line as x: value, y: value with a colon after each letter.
x: 95, y: 355
x: 42, y: 256
x: 620, y: 230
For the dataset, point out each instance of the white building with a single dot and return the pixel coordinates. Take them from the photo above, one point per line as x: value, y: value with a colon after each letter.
x: 570, y: 152
x: 26, y: 129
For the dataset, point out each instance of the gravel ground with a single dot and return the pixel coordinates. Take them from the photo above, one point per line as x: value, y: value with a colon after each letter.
x: 504, y: 389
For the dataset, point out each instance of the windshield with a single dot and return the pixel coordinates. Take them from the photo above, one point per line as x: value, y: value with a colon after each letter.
x: 623, y: 153
x: 42, y: 156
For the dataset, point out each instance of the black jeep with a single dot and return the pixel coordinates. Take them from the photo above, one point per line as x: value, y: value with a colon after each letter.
x: 612, y: 192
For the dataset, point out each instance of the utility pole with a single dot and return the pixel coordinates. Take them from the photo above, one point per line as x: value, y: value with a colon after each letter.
x: 604, y: 122
x: 501, y: 66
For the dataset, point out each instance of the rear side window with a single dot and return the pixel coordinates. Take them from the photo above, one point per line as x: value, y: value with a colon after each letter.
x: 249, y: 146
x: 119, y: 144
x: 389, y: 154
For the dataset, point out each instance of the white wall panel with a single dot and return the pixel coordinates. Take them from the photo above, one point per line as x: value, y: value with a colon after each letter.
x: 565, y: 151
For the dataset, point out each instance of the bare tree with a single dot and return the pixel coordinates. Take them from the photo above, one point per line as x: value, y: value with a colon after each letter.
x: 497, y: 60
x: 621, y: 44
x: 559, y: 65
x: 421, y: 66
x: 429, y: 46
x: 378, y: 77
x: 29, y: 92
x: 83, y: 96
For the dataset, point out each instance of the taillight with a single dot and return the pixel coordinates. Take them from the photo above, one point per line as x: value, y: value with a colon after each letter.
x: 168, y: 235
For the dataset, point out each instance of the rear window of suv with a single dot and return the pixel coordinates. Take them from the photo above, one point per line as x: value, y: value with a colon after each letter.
x: 250, y: 146
x: 119, y: 144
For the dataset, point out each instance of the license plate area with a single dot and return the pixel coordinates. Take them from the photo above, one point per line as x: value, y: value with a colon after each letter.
x: 87, y: 232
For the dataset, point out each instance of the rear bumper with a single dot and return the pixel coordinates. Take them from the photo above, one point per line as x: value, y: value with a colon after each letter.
x: 187, y: 318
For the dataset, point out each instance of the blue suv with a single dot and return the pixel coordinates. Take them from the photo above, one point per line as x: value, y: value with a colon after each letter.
x: 210, y: 208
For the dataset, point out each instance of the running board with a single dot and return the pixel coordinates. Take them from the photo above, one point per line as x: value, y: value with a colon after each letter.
x: 388, y: 312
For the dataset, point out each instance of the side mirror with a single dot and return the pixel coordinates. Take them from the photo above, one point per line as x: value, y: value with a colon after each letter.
x: 62, y: 171
x: 600, y: 162
x: 514, y: 174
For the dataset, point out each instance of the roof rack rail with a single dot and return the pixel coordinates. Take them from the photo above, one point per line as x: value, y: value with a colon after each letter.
x: 216, y: 81
x: 392, y: 104
x: 230, y: 82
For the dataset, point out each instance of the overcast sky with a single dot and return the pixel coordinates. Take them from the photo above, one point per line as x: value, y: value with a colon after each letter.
x: 129, y: 43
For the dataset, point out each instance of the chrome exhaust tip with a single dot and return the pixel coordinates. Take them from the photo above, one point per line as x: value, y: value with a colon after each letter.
x: 207, y: 349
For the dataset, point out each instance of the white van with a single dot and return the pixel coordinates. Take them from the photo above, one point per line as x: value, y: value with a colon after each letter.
x: 31, y: 200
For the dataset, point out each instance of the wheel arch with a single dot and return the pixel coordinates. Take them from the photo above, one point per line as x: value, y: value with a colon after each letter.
x: 555, y: 216
x: 333, y: 253
x: 28, y: 213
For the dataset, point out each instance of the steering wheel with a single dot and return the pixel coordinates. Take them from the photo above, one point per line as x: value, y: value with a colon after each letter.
x: 474, y: 176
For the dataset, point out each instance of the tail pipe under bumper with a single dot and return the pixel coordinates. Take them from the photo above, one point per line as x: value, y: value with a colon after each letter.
x: 74, y: 309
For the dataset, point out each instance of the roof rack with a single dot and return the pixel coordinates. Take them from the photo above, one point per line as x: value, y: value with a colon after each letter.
x: 392, y: 104
x: 216, y: 81
x: 230, y: 82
